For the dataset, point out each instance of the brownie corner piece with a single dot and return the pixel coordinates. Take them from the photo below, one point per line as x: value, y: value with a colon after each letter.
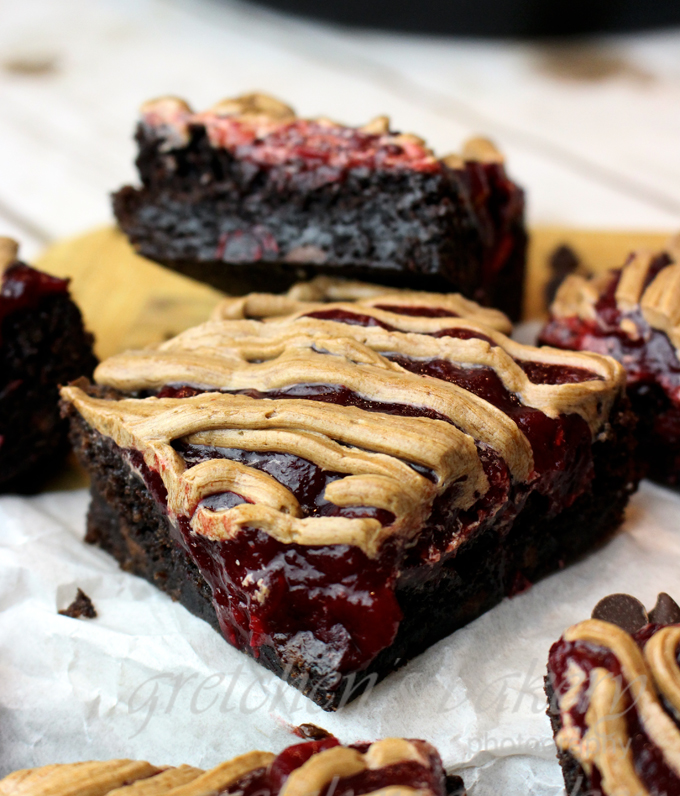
x: 391, y: 765
x: 248, y: 194
x: 43, y: 344
x: 337, y: 485
x: 630, y: 313
x: 613, y: 688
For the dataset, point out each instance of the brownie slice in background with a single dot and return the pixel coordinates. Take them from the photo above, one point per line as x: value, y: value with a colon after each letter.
x: 247, y: 196
x: 43, y: 344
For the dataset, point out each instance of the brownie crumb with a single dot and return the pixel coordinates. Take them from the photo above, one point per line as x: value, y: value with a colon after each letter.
x: 311, y: 732
x: 80, y: 608
x: 454, y: 786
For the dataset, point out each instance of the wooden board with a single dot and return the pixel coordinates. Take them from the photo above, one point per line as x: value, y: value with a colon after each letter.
x: 130, y: 302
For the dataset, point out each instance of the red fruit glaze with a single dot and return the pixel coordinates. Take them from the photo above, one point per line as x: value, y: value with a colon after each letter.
x: 23, y: 287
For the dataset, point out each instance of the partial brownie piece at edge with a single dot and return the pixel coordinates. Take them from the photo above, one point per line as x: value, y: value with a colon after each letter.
x: 613, y: 688
x: 247, y: 196
x: 358, y: 481
x: 393, y: 765
x: 43, y: 344
x: 633, y: 314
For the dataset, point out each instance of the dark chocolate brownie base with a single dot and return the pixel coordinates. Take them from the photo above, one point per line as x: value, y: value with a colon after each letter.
x: 40, y: 349
x: 575, y: 779
x: 239, y: 226
x: 125, y: 520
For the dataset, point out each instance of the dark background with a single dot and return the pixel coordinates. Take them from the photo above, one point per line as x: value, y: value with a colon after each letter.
x: 521, y: 18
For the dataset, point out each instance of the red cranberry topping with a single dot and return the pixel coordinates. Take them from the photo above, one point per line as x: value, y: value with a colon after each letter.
x: 307, y: 145
x: 269, y: 593
x: 410, y: 774
x: 351, y: 318
x: 544, y: 373
x: 418, y: 312
x: 23, y: 287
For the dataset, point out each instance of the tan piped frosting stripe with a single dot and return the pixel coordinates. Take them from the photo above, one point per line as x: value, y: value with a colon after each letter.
x: 287, y: 350
x: 136, y: 778
x: 266, y: 113
x: 606, y: 743
x: 324, y: 292
x: 659, y: 301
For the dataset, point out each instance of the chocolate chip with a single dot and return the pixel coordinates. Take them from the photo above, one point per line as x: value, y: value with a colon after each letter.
x: 312, y: 732
x: 80, y: 608
x: 666, y: 611
x: 623, y: 610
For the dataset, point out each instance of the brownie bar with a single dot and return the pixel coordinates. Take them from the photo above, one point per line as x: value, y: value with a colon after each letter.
x: 613, y: 687
x: 247, y: 195
x: 630, y: 314
x: 394, y: 765
x: 43, y: 345
x: 338, y: 488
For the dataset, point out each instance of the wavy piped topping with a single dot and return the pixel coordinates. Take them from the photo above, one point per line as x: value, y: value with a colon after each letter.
x: 391, y: 767
x: 617, y: 690
x: 395, y: 407
x: 643, y: 294
x: 265, y: 130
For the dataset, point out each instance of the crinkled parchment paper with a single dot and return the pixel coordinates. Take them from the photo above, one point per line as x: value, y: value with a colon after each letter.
x: 146, y: 679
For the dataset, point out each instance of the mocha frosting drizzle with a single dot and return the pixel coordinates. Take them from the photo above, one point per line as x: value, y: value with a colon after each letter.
x: 137, y: 778
x: 287, y: 351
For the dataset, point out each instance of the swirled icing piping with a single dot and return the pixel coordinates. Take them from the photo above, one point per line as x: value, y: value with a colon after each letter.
x: 618, y: 698
x: 398, y: 766
x: 648, y: 284
x: 256, y: 383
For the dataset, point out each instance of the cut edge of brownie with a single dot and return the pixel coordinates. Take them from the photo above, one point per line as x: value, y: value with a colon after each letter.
x: 126, y: 522
x: 42, y: 347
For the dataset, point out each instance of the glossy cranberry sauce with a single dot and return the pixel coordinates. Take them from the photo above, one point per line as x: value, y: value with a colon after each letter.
x: 310, y: 145
x: 23, y: 287
x: 650, y: 766
x: 333, y: 603
x: 649, y: 358
x: 411, y: 774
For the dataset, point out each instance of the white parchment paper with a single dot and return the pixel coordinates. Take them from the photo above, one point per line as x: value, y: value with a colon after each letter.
x: 148, y: 680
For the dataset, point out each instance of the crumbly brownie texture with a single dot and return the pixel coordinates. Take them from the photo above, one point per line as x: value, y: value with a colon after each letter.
x: 633, y: 314
x: 42, y: 345
x: 391, y: 767
x: 613, y: 689
x: 339, y: 488
x: 246, y: 195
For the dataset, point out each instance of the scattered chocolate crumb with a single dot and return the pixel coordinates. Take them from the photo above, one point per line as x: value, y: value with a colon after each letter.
x: 312, y: 732
x: 454, y: 785
x: 666, y: 611
x: 81, y: 608
x: 622, y: 610
x: 562, y: 262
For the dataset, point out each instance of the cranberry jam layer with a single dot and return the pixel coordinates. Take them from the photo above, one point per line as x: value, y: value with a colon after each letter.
x: 42, y: 345
x: 248, y: 194
x: 614, y: 691
x: 391, y: 767
x: 350, y: 482
x: 633, y: 315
